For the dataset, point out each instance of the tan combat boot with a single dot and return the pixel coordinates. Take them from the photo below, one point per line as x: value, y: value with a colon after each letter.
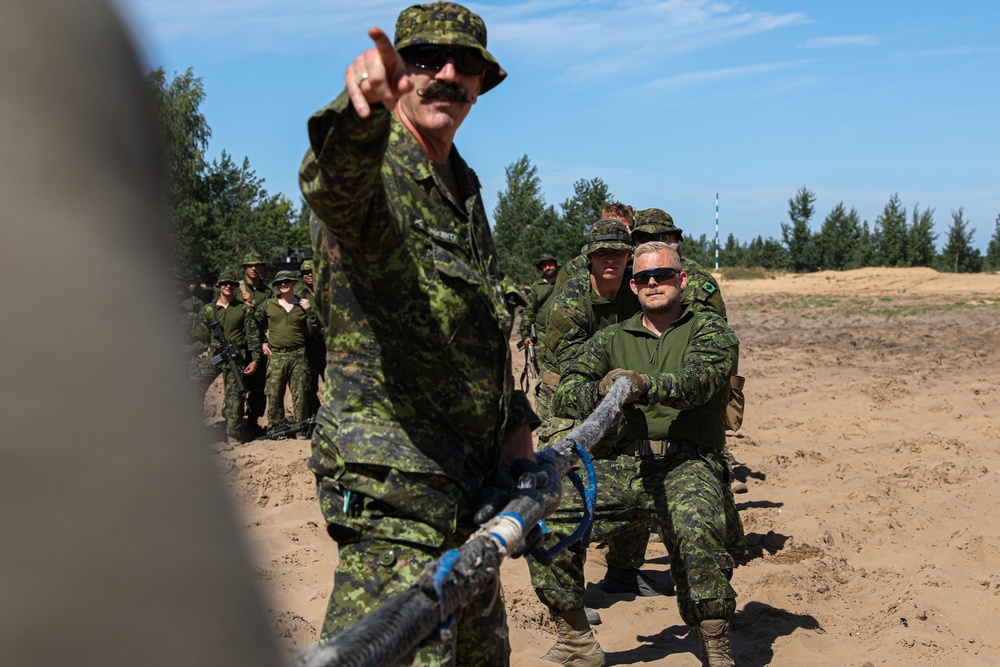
x: 576, y: 645
x: 716, y: 646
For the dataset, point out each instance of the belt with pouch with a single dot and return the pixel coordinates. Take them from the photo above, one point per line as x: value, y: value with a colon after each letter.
x: 650, y: 449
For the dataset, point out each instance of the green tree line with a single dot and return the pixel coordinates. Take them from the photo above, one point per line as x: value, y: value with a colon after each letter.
x: 218, y: 210
x: 526, y: 228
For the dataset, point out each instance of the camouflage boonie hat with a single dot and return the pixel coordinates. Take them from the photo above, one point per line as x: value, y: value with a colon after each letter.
x: 448, y: 24
x: 252, y: 258
x: 307, y: 266
x: 546, y: 258
x: 656, y: 221
x: 607, y: 233
x: 283, y: 276
x: 227, y: 277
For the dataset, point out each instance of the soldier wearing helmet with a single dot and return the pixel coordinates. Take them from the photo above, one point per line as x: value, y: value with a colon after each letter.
x: 252, y: 290
x: 535, y: 313
x: 315, y: 344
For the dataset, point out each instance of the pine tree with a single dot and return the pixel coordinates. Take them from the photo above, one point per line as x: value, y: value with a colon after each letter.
x: 524, y: 227
x: 892, y: 224
x: 864, y: 249
x: 958, y: 255
x: 993, y: 250
x: 837, y: 237
x: 920, y: 238
x: 803, y: 251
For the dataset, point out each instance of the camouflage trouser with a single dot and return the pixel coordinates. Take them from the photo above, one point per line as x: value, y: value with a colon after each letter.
x: 384, y: 545
x: 291, y: 369
x: 683, y: 496
x: 372, y: 571
x: 627, y: 550
x: 202, y: 373
x: 257, y: 400
x: 232, y: 402
x: 316, y: 356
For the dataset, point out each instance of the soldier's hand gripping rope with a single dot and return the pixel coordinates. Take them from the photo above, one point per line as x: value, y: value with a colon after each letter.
x: 387, y: 636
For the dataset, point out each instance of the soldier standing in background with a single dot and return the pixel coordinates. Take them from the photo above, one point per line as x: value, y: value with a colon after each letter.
x: 315, y: 344
x: 289, y: 321
x: 534, y: 312
x: 239, y: 328
x: 252, y: 291
x: 579, y: 265
x: 578, y: 310
x: 420, y: 409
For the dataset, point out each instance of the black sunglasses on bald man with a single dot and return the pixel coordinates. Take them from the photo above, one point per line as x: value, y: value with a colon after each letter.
x: 660, y: 275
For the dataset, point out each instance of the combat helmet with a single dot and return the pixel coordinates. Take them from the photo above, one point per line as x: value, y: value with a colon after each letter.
x: 283, y: 276
x: 607, y: 233
x: 656, y: 221
x: 252, y: 258
x: 447, y: 24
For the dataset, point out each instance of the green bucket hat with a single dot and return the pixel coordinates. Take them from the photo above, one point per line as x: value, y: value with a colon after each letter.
x: 545, y: 258
x: 448, y: 24
x: 252, y: 258
x: 656, y: 221
x: 307, y: 266
x: 227, y: 277
x: 283, y: 276
x: 607, y: 233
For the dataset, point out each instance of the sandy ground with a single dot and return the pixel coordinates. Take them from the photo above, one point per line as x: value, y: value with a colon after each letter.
x: 870, y: 447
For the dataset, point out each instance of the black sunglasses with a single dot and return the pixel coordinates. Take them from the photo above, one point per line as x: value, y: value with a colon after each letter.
x: 228, y: 284
x: 434, y: 57
x: 659, y: 275
x: 645, y: 237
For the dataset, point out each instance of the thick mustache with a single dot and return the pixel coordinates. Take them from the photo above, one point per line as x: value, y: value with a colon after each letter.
x: 440, y: 90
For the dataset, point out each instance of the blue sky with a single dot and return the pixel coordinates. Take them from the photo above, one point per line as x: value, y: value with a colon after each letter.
x: 668, y: 102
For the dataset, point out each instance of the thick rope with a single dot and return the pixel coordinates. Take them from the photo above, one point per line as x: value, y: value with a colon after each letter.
x: 390, y: 633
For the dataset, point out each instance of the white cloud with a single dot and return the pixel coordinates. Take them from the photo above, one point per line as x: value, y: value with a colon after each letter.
x: 840, y: 40
x: 591, y: 37
x: 950, y: 51
x: 689, y: 79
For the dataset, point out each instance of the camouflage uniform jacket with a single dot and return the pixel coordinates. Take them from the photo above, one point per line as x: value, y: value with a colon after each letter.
x: 257, y: 295
x: 535, y: 312
x: 286, y: 329
x: 418, y: 376
x: 577, y: 313
x: 238, y: 325
x: 303, y: 292
x: 702, y: 290
x: 688, y: 367
x: 577, y: 266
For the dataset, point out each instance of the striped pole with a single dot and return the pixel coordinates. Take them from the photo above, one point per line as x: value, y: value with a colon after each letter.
x: 716, y: 231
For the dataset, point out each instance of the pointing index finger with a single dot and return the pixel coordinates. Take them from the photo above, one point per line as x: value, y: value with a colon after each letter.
x: 395, y: 69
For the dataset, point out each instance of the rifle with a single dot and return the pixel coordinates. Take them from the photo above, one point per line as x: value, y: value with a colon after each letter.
x: 285, y: 429
x: 226, y: 352
x: 386, y: 636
